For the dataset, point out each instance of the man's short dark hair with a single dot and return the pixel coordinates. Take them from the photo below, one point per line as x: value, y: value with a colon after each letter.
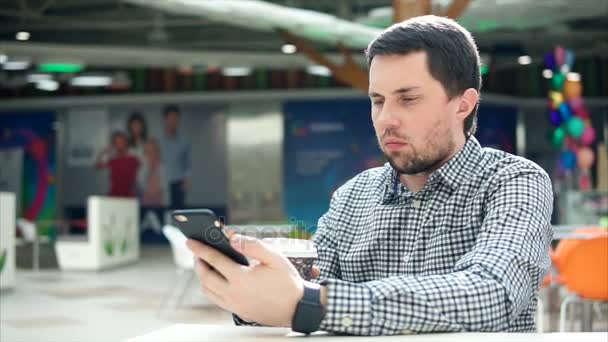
x: 170, y: 108
x: 451, y: 52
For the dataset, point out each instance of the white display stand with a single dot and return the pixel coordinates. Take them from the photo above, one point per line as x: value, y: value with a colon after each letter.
x: 112, y: 236
x: 7, y: 240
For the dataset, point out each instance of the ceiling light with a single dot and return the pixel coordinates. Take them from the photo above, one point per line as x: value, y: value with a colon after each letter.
x: 22, y: 35
x: 289, y: 48
x: 547, y: 73
x: 318, y: 70
x: 91, y: 81
x: 16, y: 65
x: 236, y: 71
x: 33, y: 78
x: 524, y: 60
x: 47, y: 85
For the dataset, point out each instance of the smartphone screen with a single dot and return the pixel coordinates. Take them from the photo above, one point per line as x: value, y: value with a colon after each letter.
x: 203, y: 225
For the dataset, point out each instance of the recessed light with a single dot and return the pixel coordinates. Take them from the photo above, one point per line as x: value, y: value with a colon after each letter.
x: 524, y: 60
x: 16, y: 65
x: 91, y: 81
x: 318, y: 70
x: 22, y: 35
x: 236, y: 71
x: 47, y: 85
x: 289, y: 48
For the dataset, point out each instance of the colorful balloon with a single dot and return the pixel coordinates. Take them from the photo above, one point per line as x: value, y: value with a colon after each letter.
x: 575, y: 126
x: 549, y: 61
x: 556, y: 98
x: 583, y: 113
x: 557, y: 81
x: 555, y: 118
x: 571, y: 144
x: 588, y: 136
x: 557, y: 137
x: 569, y: 58
x: 585, y: 158
x: 568, y: 160
x: 572, y: 89
x: 576, y: 103
x: 559, y: 55
x: 564, y: 111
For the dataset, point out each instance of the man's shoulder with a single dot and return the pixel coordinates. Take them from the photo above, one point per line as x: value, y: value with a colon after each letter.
x: 500, y: 166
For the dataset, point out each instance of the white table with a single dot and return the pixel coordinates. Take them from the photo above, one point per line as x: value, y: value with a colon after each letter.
x: 204, y: 332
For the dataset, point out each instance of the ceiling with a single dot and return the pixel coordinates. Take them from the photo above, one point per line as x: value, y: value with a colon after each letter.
x: 115, y: 31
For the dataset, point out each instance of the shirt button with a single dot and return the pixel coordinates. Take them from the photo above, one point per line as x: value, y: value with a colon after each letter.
x: 347, y: 321
x: 417, y: 204
x: 406, y: 258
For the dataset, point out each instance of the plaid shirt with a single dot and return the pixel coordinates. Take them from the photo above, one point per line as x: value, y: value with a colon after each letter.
x: 465, y: 253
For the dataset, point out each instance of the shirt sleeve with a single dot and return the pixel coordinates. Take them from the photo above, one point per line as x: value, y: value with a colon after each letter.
x: 488, y: 287
x: 326, y: 242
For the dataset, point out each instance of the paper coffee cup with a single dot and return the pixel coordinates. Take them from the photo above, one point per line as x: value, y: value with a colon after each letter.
x: 301, y: 253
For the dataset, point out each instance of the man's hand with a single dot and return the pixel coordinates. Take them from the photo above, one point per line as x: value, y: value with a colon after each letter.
x: 266, y: 292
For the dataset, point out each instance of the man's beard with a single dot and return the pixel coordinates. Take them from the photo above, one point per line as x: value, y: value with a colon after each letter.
x: 416, y: 163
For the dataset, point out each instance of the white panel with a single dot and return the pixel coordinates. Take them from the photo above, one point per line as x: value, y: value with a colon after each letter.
x: 7, y: 240
x: 113, y: 236
x: 255, y: 178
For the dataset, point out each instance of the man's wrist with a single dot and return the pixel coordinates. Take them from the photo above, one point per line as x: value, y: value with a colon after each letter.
x: 310, y: 310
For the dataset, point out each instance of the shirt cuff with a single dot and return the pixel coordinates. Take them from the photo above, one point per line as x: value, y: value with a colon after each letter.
x: 348, y: 309
x: 239, y: 321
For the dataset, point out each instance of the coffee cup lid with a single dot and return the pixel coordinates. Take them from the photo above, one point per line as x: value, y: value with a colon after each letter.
x: 293, y: 248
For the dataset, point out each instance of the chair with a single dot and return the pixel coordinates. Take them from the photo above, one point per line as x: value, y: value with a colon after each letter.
x: 583, y: 268
x: 184, y: 262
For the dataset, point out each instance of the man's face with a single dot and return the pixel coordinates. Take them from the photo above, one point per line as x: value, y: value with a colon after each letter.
x: 415, y: 123
x: 171, y: 121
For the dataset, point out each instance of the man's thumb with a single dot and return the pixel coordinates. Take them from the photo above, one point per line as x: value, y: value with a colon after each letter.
x: 255, y: 249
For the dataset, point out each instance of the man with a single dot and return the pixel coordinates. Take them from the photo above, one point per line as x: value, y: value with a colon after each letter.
x: 175, y: 155
x: 447, y: 236
x: 122, y: 166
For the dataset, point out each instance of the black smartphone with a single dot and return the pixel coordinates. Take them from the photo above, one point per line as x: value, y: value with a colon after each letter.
x: 203, y: 225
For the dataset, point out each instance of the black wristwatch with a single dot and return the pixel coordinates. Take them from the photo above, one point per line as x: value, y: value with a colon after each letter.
x: 309, y: 312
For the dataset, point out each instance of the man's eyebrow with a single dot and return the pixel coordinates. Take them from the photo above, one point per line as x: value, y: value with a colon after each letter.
x: 403, y: 90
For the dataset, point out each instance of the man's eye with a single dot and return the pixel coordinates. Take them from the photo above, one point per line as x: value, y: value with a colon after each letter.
x: 377, y: 102
x: 408, y: 99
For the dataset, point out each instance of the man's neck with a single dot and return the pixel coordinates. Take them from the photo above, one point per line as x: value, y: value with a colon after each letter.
x: 416, y: 182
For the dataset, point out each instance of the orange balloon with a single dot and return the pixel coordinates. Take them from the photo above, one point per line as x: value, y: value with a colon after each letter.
x: 585, y: 158
x: 572, y: 89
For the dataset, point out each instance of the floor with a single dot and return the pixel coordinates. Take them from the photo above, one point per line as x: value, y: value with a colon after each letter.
x: 118, y: 304
x: 107, y: 306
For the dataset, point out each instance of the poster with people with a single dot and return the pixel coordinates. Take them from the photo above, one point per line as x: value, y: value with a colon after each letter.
x: 146, y: 152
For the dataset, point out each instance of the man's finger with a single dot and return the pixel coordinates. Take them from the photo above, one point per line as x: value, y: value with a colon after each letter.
x: 256, y: 249
x: 214, y: 258
x: 210, y: 278
x: 315, y: 272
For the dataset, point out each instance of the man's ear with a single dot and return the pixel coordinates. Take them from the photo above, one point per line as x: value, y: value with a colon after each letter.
x: 468, y: 100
